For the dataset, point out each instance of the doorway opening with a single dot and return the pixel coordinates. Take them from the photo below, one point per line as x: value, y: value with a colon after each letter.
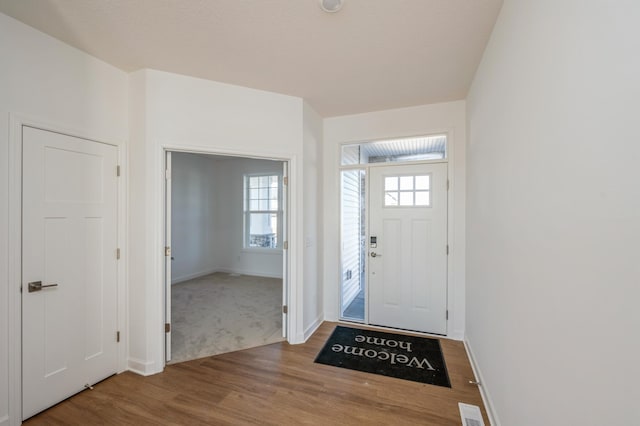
x: 393, y: 217
x: 225, y: 259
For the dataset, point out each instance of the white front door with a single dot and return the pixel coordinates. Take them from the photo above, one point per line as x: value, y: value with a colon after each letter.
x: 69, y: 266
x: 408, y: 247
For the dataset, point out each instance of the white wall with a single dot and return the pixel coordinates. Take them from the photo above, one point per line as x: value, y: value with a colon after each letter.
x: 207, y: 217
x: 313, y: 241
x: 553, y: 272
x: 47, y: 82
x: 421, y: 120
x: 4, y: 268
x: 192, y: 114
x: 231, y: 255
x: 194, y: 234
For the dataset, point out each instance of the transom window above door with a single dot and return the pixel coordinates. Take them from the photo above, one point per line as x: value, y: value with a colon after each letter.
x: 407, y: 191
x: 419, y: 148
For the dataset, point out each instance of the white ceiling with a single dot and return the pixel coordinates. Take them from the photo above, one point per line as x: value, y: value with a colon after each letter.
x: 372, y: 55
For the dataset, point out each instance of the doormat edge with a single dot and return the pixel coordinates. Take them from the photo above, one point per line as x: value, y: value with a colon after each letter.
x: 444, y: 380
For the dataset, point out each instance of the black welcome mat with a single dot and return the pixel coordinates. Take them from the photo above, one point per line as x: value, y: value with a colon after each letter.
x: 395, y: 355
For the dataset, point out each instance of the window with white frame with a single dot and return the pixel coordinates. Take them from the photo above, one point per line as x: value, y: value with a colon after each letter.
x: 262, y: 211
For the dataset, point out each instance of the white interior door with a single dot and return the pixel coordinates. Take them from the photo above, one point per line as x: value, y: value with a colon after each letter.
x: 69, y: 266
x: 408, y: 247
x: 167, y: 258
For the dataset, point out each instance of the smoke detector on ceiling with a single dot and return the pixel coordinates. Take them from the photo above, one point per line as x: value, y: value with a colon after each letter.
x: 331, y: 6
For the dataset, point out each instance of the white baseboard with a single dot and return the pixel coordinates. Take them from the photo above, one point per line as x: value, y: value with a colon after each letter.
x: 484, y: 393
x: 225, y: 270
x: 248, y: 272
x: 4, y: 421
x: 312, y: 328
x: 192, y: 276
x: 331, y: 316
x: 456, y: 335
x: 143, y: 368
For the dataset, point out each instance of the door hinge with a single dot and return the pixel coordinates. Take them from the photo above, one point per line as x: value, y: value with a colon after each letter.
x: 285, y: 245
x: 118, y: 171
x: 285, y: 309
x: 285, y: 180
x: 167, y: 327
x: 447, y: 184
x: 20, y: 288
x: 167, y: 174
x: 167, y: 251
x: 118, y: 253
x: 117, y: 337
x: 447, y: 249
x: 447, y: 315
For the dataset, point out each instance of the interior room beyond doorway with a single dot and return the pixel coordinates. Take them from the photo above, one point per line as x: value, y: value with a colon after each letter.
x: 227, y: 222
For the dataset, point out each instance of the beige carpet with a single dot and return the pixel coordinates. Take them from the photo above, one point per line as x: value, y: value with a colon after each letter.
x: 221, y: 313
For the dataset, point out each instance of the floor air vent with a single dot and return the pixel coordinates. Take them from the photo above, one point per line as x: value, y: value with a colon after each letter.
x: 471, y: 415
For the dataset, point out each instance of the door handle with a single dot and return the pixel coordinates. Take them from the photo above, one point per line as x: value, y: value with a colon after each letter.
x: 374, y: 254
x: 37, y: 286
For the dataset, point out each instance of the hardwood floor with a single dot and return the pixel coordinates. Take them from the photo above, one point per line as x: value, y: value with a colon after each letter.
x: 277, y: 384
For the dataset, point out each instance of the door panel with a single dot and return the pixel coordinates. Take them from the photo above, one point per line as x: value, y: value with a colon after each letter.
x: 408, y: 274
x: 69, y: 244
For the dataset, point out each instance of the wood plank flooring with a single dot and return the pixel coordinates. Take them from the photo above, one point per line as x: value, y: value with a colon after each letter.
x: 277, y: 384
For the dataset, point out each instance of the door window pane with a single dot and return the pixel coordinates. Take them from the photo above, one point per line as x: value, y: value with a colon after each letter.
x: 406, y: 198
x: 422, y: 198
x: 391, y: 199
x: 406, y: 183
x: 422, y: 182
x: 407, y: 191
x: 391, y: 183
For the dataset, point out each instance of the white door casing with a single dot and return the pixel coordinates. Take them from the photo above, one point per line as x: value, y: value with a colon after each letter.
x: 408, y: 268
x: 167, y: 257
x: 285, y: 250
x: 70, y: 239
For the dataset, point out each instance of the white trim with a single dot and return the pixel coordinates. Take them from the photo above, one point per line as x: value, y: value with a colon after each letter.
x: 484, y: 393
x: 248, y: 272
x: 452, y: 313
x: 308, y: 332
x: 123, y: 264
x: 195, y: 275
x: 15, y: 270
x: 393, y: 138
x: 16, y: 122
x: 392, y: 163
x: 141, y: 367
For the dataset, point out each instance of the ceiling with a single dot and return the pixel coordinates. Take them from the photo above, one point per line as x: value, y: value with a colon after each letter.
x: 371, y: 55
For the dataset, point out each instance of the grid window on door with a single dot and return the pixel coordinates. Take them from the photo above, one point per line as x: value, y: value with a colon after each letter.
x: 262, y: 211
x: 407, y: 191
